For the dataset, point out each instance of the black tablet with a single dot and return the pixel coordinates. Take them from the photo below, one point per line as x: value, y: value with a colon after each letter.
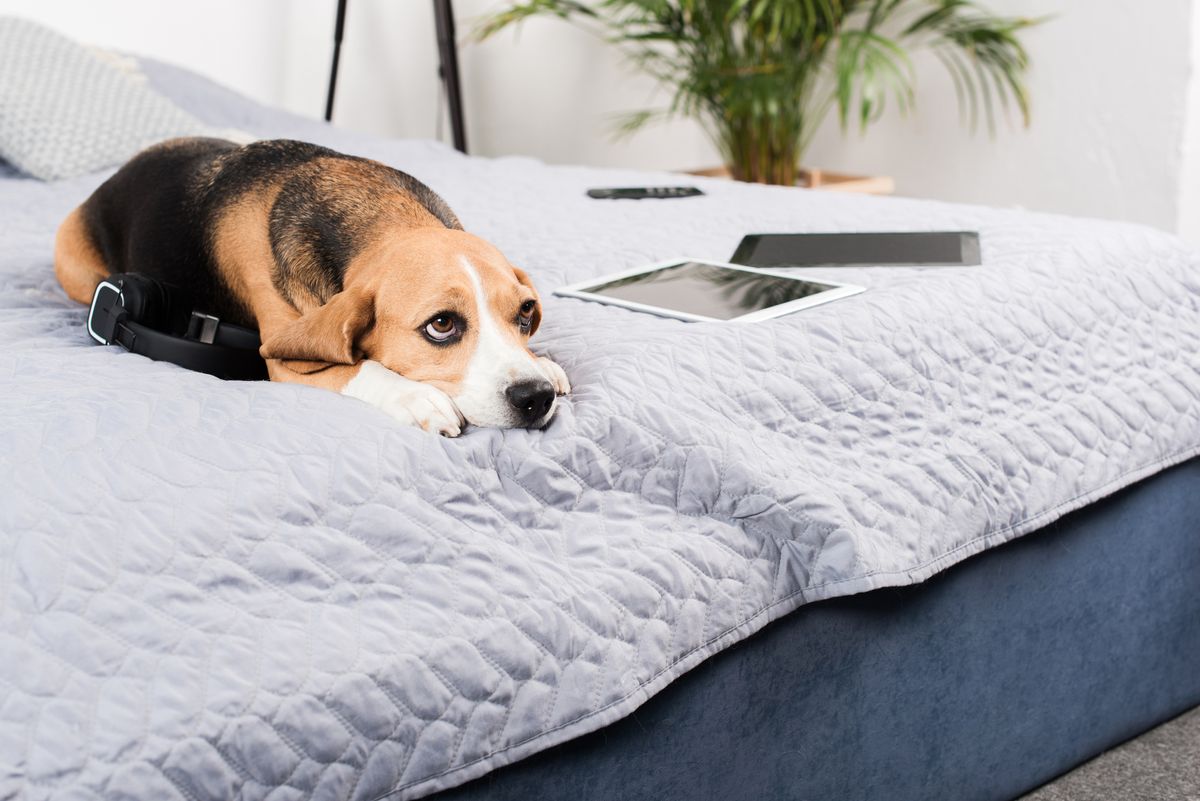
x: 910, y: 249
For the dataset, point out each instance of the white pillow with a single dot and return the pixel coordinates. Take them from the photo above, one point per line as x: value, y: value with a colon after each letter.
x: 66, y: 110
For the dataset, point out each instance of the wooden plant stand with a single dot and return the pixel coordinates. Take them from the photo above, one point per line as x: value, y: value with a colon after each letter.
x: 823, y: 179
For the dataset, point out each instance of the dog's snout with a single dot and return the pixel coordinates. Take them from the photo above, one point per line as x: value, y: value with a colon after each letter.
x: 531, y: 399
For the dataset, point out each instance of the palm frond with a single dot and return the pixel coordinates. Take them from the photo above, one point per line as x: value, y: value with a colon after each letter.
x: 870, y: 67
x: 519, y: 12
x: 990, y: 54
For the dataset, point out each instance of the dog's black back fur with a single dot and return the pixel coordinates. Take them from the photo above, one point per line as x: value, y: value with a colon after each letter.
x: 158, y: 214
x: 146, y: 219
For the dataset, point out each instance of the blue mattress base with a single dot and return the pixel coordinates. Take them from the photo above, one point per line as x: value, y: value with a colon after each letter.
x: 981, y: 683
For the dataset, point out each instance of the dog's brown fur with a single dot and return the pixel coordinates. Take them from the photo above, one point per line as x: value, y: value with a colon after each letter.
x: 77, y: 264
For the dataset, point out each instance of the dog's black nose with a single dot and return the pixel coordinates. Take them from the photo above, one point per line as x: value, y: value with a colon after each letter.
x: 531, y: 399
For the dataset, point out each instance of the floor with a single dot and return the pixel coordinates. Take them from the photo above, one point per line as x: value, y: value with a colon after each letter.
x: 1161, y: 765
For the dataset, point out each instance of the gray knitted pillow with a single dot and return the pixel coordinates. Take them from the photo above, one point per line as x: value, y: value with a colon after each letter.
x: 66, y: 111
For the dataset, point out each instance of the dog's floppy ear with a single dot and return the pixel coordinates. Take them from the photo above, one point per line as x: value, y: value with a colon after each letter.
x: 523, y: 278
x: 324, y: 336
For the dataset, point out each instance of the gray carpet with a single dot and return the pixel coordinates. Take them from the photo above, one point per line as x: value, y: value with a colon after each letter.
x: 1161, y: 765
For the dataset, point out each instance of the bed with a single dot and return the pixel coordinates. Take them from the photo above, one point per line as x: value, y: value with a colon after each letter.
x: 957, y: 514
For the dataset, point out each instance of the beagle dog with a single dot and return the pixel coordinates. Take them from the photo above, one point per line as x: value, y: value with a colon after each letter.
x: 358, y: 277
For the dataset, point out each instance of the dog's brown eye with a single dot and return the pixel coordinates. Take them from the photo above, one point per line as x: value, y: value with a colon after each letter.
x: 525, y: 317
x: 441, y: 328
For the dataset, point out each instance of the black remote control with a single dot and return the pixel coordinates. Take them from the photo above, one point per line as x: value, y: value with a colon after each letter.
x: 640, y: 192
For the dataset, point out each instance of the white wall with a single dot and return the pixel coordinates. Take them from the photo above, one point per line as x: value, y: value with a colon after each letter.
x: 1108, y: 87
x: 1188, y: 221
x: 387, y: 81
x: 549, y: 90
x: 216, y: 37
x: 1116, y: 120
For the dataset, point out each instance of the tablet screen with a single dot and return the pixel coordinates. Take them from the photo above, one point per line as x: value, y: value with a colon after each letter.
x: 705, y: 289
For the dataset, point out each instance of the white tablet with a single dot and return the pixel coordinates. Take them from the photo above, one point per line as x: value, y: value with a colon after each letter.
x: 707, y: 291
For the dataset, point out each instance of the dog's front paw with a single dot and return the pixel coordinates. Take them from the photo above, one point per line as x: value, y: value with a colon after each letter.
x: 558, y: 378
x: 410, y: 402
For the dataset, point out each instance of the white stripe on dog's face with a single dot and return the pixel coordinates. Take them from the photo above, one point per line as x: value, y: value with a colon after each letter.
x: 500, y: 369
x: 447, y: 309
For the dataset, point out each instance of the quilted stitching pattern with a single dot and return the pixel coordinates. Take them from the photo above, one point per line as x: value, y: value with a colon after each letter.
x: 212, y: 590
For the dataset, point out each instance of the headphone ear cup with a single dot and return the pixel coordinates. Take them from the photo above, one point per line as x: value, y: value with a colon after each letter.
x: 136, y: 296
x: 153, y: 303
x: 174, y: 307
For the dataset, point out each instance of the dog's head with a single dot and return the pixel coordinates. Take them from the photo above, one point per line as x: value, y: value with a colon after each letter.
x: 435, y: 305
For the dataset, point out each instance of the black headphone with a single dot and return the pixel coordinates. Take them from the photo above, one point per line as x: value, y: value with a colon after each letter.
x: 157, y: 320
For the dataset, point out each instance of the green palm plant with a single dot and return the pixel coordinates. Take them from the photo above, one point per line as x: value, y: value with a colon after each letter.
x: 761, y: 75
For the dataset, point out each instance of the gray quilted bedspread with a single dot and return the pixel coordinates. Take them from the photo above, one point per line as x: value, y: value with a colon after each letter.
x: 248, y: 590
